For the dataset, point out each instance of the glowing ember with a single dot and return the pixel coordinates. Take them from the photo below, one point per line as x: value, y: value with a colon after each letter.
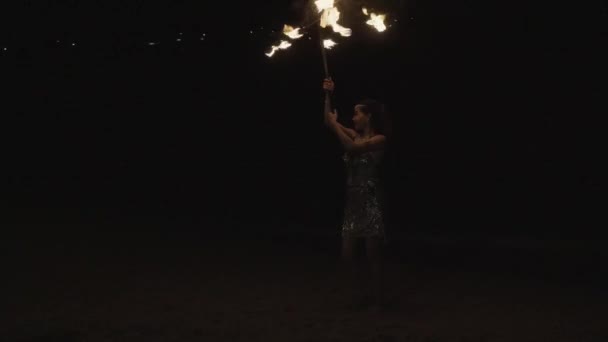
x: 324, y: 4
x: 284, y: 45
x: 365, y: 11
x: 377, y: 21
x: 328, y: 43
x: 293, y: 33
x: 330, y: 17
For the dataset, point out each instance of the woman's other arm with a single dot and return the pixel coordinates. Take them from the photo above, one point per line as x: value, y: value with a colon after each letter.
x: 329, y: 86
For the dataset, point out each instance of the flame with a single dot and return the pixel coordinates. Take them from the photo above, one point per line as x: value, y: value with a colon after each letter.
x: 324, y: 4
x: 293, y: 33
x: 282, y: 46
x: 377, y: 21
x: 330, y: 17
x: 328, y: 43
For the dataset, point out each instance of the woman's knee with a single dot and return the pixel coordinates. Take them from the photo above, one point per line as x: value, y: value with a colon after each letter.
x: 348, y: 249
x: 373, y: 249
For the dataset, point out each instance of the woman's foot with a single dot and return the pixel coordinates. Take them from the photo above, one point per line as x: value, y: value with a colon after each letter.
x: 358, y: 302
x: 377, y: 304
x: 376, y: 309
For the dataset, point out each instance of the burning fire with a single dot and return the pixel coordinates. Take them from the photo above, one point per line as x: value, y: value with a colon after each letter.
x: 376, y: 20
x: 324, y: 4
x: 330, y: 17
x: 293, y: 33
x: 284, y: 45
x: 328, y: 43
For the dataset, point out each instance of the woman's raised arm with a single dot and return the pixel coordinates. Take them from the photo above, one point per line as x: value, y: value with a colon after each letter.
x: 329, y: 86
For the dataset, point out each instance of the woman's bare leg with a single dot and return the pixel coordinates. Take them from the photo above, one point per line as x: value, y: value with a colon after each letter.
x: 350, y: 269
x: 373, y: 248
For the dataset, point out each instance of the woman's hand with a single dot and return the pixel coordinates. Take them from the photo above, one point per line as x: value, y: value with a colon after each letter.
x: 328, y: 84
x: 332, y: 116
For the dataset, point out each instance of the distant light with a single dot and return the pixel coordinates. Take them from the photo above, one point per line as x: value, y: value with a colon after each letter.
x: 251, y: 31
x: 4, y: 49
x: 202, y: 38
x: 396, y: 20
x: 73, y: 44
x: 180, y: 33
x: 179, y: 39
x: 204, y: 34
x: 152, y: 43
x: 58, y: 41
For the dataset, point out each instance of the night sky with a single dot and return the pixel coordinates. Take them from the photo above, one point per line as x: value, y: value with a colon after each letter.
x: 496, y: 107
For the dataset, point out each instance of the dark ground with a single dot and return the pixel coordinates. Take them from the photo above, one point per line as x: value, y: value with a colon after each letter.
x: 123, y: 284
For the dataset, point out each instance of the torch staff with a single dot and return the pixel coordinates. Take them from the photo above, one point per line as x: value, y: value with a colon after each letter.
x: 324, y: 56
x: 327, y: 102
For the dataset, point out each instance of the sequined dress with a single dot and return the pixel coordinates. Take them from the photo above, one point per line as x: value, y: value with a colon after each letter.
x: 363, y: 215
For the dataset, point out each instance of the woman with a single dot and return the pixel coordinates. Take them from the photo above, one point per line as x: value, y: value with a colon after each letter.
x: 363, y: 216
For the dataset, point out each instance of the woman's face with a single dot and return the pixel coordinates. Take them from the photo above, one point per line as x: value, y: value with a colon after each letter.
x: 360, y: 119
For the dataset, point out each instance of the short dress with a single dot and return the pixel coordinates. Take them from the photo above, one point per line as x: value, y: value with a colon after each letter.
x: 363, y: 214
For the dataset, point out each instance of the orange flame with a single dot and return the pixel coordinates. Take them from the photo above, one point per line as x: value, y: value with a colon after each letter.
x: 324, y: 4
x: 328, y: 43
x: 282, y: 46
x: 377, y: 21
x: 293, y: 33
x: 330, y: 17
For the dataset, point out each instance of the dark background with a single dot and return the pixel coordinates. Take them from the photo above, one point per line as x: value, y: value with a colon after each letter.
x: 497, y: 110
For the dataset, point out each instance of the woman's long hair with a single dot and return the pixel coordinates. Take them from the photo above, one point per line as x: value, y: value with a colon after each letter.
x: 379, y: 117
